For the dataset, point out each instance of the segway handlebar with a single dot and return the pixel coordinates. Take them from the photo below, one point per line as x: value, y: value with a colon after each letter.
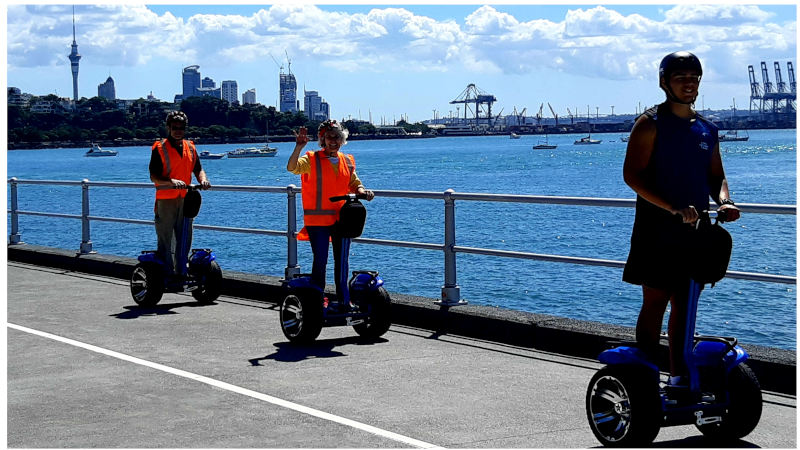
x: 351, y: 197
x: 191, y: 187
x: 720, y: 215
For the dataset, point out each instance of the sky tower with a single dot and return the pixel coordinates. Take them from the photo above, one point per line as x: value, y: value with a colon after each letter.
x: 74, y: 57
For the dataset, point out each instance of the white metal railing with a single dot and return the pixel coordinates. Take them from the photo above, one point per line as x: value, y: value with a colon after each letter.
x: 450, y: 289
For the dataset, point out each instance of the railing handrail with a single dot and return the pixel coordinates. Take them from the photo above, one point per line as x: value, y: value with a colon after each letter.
x: 759, y: 208
x: 450, y: 289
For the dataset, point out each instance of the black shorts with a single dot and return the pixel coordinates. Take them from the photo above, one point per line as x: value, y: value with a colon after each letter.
x: 660, y: 253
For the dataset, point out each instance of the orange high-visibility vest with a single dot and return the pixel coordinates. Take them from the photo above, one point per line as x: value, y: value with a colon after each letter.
x: 175, y: 166
x: 321, y: 183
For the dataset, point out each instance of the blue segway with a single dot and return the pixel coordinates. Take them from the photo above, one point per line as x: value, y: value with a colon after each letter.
x: 305, y: 310
x: 628, y: 401
x: 198, y: 273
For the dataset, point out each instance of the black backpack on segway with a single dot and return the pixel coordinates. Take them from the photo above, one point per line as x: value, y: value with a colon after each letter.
x: 352, y: 218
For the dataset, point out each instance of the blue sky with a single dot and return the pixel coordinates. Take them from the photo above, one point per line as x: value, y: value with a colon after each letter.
x: 389, y: 60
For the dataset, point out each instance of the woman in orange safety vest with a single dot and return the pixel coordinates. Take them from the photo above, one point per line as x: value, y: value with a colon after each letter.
x: 326, y: 173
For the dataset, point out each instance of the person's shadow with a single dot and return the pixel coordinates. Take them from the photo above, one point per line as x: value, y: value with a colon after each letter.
x: 288, y: 352
x: 135, y: 311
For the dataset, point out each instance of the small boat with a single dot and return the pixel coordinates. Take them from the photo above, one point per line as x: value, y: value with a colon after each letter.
x: 96, y: 150
x: 514, y: 136
x: 624, y: 138
x: 208, y: 155
x: 253, y: 152
x: 733, y: 135
x: 544, y: 145
x: 587, y: 140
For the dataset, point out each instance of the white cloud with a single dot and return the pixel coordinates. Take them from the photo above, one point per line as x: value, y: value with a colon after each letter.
x: 716, y: 15
x: 595, y: 42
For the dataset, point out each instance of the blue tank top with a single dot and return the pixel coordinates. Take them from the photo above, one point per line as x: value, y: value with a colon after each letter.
x: 681, y: 160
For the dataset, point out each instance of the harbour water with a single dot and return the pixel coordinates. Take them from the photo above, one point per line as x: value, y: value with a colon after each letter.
x: 761, y: 170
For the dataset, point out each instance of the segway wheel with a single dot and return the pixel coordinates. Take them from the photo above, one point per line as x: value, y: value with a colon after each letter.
x: 379, y: 320
x: 623, y: 406
x: 744, y: 410
x: 301, y: 317
x: 147, y: 284
x: 210, y: 283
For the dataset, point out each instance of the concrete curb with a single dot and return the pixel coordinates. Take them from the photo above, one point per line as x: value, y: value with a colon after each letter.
x: 775, y: 368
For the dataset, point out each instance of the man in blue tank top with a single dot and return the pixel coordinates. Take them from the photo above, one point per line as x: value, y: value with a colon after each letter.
x: 674, y: 165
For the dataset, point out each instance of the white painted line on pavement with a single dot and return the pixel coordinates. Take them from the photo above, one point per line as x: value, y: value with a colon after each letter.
x: 233, y: 388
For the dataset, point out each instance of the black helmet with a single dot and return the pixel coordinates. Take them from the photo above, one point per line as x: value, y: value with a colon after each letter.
x: 177, y: 116
x: 679, y: 61
x: 675, y: 62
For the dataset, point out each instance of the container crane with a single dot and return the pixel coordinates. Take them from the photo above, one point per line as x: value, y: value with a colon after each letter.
x: 571, y: 117
x: 755, y: 90
x: 539, y: 115
x: 473, y: 95
x: 792, y: 81
x: 779, y: 84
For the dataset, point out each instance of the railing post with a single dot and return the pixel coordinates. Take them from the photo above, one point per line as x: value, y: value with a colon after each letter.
x: 86, y: 240
x: 15, y: 237
x: 451, y: 292
x: 292, y: 268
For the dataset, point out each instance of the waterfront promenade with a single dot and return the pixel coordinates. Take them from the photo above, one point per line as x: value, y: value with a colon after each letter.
x: 87, y: 368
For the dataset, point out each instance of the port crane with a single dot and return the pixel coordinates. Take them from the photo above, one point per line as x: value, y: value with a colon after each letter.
x: 520, y: 116
x: 555, y: 116
x: 539, y: 115
x: 779, y: 94
x: 481, y: 100
x: 571, y: 117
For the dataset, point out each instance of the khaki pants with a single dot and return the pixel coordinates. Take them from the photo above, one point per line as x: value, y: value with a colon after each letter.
x: 169, y: 229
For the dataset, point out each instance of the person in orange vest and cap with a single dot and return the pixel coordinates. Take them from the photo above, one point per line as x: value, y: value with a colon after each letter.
x: 172, y: 162
x: 326, y: 173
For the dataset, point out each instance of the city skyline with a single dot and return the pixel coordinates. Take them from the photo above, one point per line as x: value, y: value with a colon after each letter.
x: 405, y: 61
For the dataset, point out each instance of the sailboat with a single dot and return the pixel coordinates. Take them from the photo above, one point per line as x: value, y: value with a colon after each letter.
x: 587, y: 140
x: 733, y: 135
x: 255, y: 151
x: 544, y: 145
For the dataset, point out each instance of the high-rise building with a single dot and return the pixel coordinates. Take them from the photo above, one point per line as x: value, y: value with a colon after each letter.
x: 324, y: 110
x: 209, y: 92
x: 208, y: 83
x: 230, y: 91
x: 106, y: 90
x: 191, y: 81
x: 249, y: 97
x: 288, y: 91
x: 314, y: 106
x: 74, y: 58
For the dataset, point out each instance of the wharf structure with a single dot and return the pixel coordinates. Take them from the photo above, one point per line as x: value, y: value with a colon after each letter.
x: 772, y: 105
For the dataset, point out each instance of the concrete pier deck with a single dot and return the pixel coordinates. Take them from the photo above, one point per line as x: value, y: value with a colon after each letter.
x: 88, y: 368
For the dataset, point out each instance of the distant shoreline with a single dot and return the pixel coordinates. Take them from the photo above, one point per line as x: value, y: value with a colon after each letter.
x: 256, y: 140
